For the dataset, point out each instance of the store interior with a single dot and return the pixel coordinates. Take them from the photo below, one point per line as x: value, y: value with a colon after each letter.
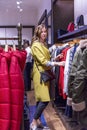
x: 66, y: 21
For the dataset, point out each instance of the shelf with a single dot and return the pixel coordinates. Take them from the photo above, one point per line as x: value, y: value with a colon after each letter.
x: 71, y: 35
x: 8, y: 38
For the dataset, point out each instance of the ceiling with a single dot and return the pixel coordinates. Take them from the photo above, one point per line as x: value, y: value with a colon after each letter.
x: 12, y: 4
x: 10, y: 9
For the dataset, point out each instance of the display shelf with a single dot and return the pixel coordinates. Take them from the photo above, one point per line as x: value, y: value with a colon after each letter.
x: 82, y: 31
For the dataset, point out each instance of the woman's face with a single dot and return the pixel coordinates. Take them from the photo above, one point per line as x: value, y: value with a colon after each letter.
x: 43, y: 34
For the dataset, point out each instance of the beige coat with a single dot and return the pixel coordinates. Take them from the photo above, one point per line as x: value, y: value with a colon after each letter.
x: 41, y: 55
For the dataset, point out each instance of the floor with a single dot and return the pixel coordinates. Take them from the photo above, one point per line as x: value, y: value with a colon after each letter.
x: 54, y: 117
x: 51, y: 115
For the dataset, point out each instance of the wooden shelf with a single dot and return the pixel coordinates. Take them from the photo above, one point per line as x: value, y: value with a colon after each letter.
x: 71, y: 35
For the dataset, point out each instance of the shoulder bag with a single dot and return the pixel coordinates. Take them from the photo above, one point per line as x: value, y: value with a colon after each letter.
x: 46, y: 75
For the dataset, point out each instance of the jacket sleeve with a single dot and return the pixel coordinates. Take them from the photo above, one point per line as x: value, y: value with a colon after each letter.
x: 79, y: 85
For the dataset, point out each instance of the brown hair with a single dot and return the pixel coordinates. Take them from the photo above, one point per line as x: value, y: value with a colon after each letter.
x: 37, y: 32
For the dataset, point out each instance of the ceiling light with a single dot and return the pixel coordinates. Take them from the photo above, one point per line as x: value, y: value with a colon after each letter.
x: 21, y: 10
x: 18, y: 7
x: 18, y: 2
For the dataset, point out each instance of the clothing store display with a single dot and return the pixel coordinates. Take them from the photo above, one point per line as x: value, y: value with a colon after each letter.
x: 72, y: 74
x: 17, y: 90
x: 56, y: 50
x: 11, y: 89
x: 70, y: 27
x: 43, y: 66
x: 76, y: 79
x: 67, y: 70
x: 80, y: 20
x: 61, y: 77
x: 77, y: 85
x: 79, y: 100
x: 61, y: 32
x: 68, y: 66
x: 5, y: 94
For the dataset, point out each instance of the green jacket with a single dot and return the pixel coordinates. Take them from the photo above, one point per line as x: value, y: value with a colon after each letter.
x: 78, y: 87
x: 75, y: 64
x: 79, y: 92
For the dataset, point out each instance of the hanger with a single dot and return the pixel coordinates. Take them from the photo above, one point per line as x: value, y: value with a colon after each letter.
x: 77, y: 40
x: 14, y: 46
x: 74, y: 41
x: 6, y: 47
x: 58, y: 44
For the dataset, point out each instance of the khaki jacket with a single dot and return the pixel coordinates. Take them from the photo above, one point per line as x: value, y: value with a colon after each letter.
x: 75, y: 64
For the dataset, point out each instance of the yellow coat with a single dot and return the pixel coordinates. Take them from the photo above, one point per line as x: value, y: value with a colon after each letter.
x: 41, y: 55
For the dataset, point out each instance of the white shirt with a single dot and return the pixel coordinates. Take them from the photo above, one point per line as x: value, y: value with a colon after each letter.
x: 29, y: 56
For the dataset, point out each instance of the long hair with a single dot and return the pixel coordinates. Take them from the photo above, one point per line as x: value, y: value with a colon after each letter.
x: 37, y: 33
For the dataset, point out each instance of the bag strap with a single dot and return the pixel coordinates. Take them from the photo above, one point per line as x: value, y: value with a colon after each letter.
x: 36, y: 65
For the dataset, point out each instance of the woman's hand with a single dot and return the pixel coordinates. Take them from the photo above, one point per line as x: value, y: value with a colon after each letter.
x: 58, y: 57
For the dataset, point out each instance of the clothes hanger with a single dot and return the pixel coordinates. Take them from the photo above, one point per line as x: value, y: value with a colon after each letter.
x: 6, y: 47
x: 77, y: 40
x: 14, y: 46
x: 58, y: 44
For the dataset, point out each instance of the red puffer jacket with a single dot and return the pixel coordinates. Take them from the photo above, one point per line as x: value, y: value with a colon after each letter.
x: 17, y: 88
x: 4, y: 91
x: 22, y: 59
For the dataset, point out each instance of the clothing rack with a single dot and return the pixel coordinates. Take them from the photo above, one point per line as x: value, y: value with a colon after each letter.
x: 8, y: 38
x: 19, y: 38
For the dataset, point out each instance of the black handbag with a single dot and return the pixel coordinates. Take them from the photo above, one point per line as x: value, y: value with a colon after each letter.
x: 46, y: 75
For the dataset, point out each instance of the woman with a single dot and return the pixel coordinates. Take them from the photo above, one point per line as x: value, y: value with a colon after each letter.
x: 41, y: 56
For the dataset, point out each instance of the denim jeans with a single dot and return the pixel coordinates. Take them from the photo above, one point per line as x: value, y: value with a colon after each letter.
x: 40, y: 106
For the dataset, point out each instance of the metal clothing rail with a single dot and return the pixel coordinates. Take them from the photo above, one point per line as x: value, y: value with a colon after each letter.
x: 8, y: 38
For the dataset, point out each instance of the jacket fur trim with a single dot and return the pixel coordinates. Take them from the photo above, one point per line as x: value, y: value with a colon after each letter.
x: 78, y: 106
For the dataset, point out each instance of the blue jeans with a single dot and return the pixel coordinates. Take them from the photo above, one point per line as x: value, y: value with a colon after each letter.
x: 40, y: 106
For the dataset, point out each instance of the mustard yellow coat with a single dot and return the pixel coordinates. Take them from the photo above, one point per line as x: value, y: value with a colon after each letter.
x: 41, y: 55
